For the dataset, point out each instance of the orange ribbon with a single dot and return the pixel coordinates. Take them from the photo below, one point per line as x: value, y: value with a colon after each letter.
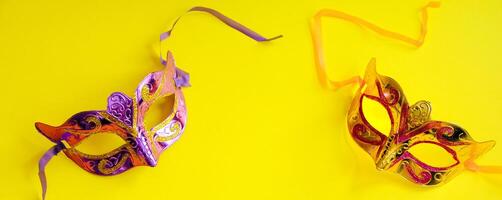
x: 315, y: 28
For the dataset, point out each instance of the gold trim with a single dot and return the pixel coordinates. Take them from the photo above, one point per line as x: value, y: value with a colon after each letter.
x: 102, y: 168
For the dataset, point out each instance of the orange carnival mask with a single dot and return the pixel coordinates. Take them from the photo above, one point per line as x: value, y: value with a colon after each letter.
x: 411, y: 125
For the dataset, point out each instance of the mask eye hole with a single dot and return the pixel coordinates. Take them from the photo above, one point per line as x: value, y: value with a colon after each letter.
x: 160, y: 109
x: 432, y: 155
x: 376, y: 115
x: 100, y: 143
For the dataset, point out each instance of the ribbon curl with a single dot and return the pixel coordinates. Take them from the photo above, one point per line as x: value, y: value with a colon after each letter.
x: 316, y: 30
x: 230, y: 22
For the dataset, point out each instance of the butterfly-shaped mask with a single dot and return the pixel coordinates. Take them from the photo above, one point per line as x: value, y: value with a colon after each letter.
x: 410, y: 126
x: 124, y: 117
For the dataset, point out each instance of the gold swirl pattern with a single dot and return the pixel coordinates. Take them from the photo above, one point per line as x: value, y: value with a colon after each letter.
x: 170, y: 132
x: 102, y: 165
x: 92, y: 119
x: 145, y: 90
x: 419, y: 113
x: 145, y: 93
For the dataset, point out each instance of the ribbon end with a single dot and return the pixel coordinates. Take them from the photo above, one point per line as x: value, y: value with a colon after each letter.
x: 182, y: 78
x: 274, y: 38
x: 42, y: 163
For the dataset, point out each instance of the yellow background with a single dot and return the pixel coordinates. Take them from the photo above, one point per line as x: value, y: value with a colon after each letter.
x: 259, y: 124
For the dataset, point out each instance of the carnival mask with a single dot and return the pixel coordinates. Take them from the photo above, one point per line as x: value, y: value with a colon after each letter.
x: 411, y: 125
x: 124, y: 116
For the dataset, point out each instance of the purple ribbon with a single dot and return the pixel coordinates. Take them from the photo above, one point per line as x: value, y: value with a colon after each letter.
x: 182, y: 79
x: 230, y: 22
x: 43, y: 162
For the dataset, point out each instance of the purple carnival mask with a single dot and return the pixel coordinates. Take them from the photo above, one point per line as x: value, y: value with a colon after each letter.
x: 125, y: 115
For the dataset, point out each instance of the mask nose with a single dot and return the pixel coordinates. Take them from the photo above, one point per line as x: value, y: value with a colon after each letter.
x: 386, y: 159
